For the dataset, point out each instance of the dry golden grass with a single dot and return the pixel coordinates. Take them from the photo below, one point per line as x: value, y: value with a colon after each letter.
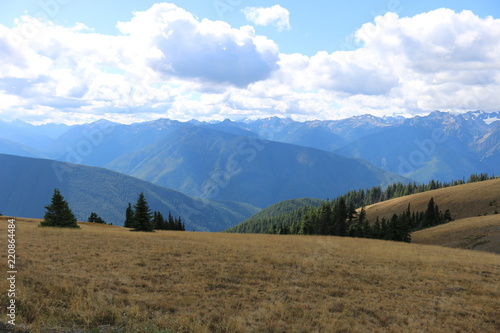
x: 468, y: 200
x: 478, y: 233
x: 109, y: 277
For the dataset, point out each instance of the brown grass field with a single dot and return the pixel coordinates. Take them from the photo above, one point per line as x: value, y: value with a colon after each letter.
x: 103, y: 278
x: 468, y: 200
x: 478, y: 233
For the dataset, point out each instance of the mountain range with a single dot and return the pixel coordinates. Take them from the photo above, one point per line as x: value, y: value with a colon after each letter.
x: 261, y: 162
x: 28, y: 183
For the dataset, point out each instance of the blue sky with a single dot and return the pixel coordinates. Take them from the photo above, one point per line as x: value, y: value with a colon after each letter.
x: 317, y: 25
x: 305, y: 60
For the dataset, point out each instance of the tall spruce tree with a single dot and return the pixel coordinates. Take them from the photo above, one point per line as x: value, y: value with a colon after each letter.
x: 341, y: 214
x: 58, y: 213
x: 431, y: 216
x: 159, y: 221
x: 129, y: 217
x: 142, y: 215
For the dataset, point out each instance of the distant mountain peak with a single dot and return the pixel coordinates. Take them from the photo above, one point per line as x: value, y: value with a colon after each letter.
x: 104, y: 122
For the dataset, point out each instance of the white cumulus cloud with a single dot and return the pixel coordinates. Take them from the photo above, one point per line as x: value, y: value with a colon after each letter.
x: 167, y: 63
x: 275, y: 15
x: 210, y: 51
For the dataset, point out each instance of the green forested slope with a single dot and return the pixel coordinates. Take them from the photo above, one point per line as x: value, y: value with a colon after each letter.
x: 28, y: 183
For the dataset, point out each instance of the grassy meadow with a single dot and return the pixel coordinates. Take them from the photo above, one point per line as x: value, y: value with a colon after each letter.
x: 475, y: 233
x: 467, y: 200
x: 104, y: 278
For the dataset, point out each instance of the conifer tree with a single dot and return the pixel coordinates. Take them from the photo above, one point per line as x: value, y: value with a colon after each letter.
x: 129, y: 217
x: 58, y: 213
x: 142, y: 215
x: 94, y: 218
x: 376, y: 231
x: 341, y: 213
x: 430, y: 217
x: 158, y: 221
x: 171, y: 222
x: 447, y: 216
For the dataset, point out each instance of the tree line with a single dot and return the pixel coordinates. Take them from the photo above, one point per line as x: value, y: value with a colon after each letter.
x: 337, y: 218
x: 366, y: 197
x: 355, y: 198
x: 139, y: 217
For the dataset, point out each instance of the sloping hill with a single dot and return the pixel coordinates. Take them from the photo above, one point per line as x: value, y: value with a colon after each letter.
x: 210, y: 163
x: 27, y: 185
x: 260, y: 222
x: 477, y: 233
x: 468, y: 200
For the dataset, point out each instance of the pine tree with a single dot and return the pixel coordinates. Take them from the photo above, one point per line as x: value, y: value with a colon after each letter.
x: 430, y: 214
x: 158, y: 221
x: 324, y: 218
x: 129, y: 217
x: 171, y: 222
x: 58, y: 213
x: 92, y: 217
x: 447, y: 216
x: 341, y: 213
x: 142, y: 215
x: 376, y: 230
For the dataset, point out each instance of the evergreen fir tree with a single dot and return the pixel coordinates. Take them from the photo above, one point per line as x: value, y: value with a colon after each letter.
x: 142, y: 215
x: 178, y: 224
x: 324, y: 218
x: 94, y: 218
x: 58, y: 213
x: 158, y: 221
x: 171, y: 222
x: 341, y: 212
x: 430, y: 214
x: 129, y: 217
x: 376, y: 230
x: 99, y: 220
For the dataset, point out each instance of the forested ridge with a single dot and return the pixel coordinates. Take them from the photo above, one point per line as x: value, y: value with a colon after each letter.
x: 339, y: 216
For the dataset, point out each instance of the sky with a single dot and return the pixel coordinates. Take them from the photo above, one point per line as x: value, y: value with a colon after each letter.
x: 73, y: 61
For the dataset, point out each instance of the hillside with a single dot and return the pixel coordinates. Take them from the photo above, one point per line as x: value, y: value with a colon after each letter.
x: 103, y: 278
x: 477, y: 233
x: 214, y: 164
x: 467, y: 200
x: 267, y: 216
x: 27, y: 186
